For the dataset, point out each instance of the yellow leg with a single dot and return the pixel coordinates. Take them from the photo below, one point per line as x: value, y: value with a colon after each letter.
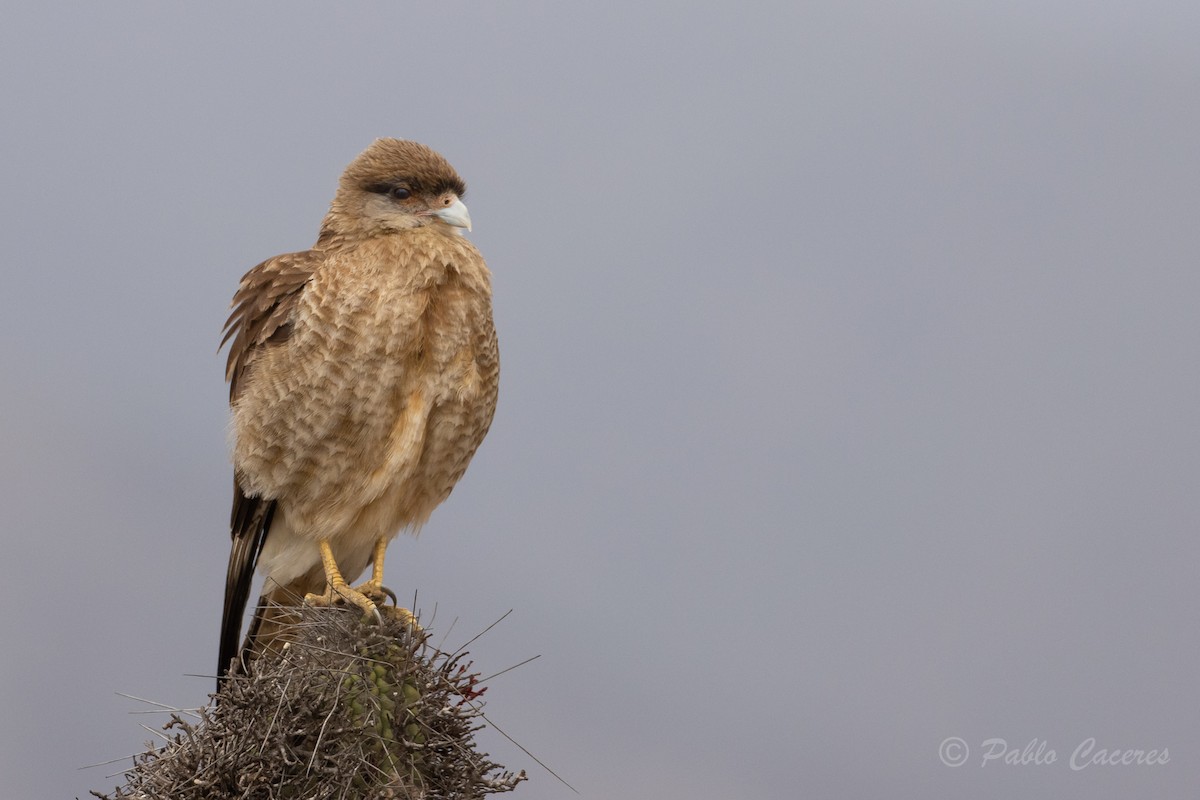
x: 336, y: 586
x: 375, y: 589
x: 368, y: 596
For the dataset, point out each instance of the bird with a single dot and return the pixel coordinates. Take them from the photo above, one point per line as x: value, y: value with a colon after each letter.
x: 363, y: 375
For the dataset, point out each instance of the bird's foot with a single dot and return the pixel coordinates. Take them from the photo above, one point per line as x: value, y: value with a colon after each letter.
x: 404, y: 616
x: 378, y: 593
x: 368, y: 596
x: 339, y: 591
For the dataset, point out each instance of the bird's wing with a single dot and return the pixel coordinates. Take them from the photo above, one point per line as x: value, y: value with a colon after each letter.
x: 263, y: 309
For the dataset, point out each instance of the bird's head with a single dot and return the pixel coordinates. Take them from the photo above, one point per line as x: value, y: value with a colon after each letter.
x: 394, y: 185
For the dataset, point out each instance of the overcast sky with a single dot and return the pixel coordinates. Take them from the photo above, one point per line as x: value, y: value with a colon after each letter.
x: 849, y: 385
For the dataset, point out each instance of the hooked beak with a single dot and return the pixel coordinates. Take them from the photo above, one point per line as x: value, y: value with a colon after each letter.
x: 455, y: 214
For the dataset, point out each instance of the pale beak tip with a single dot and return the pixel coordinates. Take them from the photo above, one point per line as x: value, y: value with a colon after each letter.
x: 455, y: 214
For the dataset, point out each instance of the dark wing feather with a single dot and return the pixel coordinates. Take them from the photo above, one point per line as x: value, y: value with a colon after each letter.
x: 262, y: 316
x: 263, y: 308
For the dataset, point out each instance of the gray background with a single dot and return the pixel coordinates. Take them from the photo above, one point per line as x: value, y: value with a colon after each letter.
x: 849, y: 394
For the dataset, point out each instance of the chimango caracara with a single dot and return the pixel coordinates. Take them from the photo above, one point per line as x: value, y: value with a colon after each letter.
x: 362, y: 377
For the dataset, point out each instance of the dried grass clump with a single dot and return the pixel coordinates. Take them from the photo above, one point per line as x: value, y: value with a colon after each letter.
x: 347, y: 709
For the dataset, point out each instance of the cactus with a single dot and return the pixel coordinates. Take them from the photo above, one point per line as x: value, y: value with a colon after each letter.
x: 345, y: 708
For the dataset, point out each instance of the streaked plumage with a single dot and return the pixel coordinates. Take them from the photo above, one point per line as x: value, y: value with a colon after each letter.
x: 363, y: 375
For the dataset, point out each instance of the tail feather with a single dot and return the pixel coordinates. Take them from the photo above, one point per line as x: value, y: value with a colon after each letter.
x: 250, y: 522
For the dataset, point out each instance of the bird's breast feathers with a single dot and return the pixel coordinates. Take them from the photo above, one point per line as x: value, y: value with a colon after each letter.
x: 391, y: 340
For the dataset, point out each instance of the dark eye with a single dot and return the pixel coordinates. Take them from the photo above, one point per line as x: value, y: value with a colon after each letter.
x: 399, y: 193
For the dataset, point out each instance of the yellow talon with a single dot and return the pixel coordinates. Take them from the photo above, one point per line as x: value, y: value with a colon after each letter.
x: 368, y: 596
x: 341, y: 591
x: 405, y: 616
x: 375, y: 589
x: 336, y: 586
